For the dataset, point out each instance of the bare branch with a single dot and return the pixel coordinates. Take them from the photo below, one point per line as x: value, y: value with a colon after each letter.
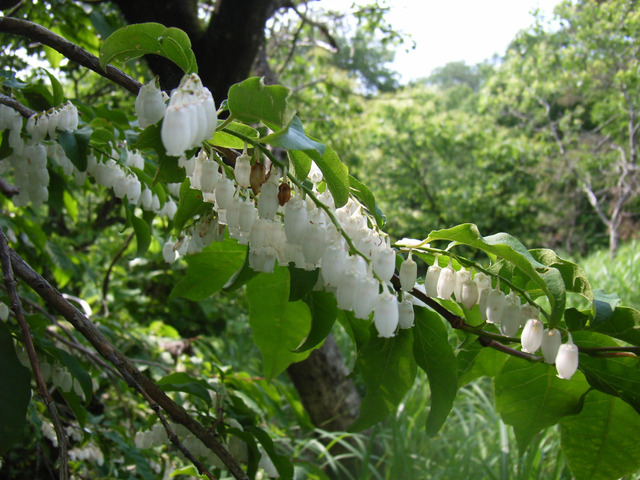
x: 10, y: 283
x: 128, y: 371
x: 70, y: 50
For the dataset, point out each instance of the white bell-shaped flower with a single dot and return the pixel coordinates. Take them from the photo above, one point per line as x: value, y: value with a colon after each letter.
x: 346, y: 290
x: 366, y: 295
x: 551, y: 340
x: 567, y: 360
x: 333, y: 264
x: 408, y: 273
x: 431, y: 279
x: 248, y: 214
x: 532, y: 335
x: 462, y: 276
x: 296, y: 220
x: 176, y: 130
x: 242, y: 170
x: 510, y: 319
x: 209, y: 175
x: 446, y: 282
x: 384, y: 263
x: 495, y: 305
x: 225, y: 189
x: 386, y: 315
x: 469, y: 294
x: 268, y: 201
x: 406, y: 315
x: 315, y: 242
x: 150, y: 105
x: 168, y: 252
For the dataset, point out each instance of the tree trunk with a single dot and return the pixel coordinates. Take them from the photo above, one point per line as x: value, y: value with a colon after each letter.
x: 329, y: 397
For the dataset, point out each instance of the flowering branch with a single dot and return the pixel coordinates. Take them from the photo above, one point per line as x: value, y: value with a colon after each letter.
x: 23, y: 110
x: 70, y: 50
x: 128, y: 371
x: 10, y: 283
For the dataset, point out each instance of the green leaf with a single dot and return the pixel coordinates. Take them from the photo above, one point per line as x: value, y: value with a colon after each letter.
x: 76, y: 146
x: 5, y: 149
x: 336, y: 174
x: 623, y: 324
x: 189, y: 205
x: 142, y: 231
x: 227, y: 140
x: 252, y: 101
x: 575, y: 279
x: 292, y: 137
x: 281, y: 462
x: 546, y: 280
x: 617, y: 376
x: 324, y: 309
x: 241, y: 277
x: 134, y: 41
x: 435, y: 356
x: 182, y: 382
x: 278, y: 325
x: 132, y: 454
x: 15, y: 393
x: 168, y: 169
x: 601, y: 443
x: 603, y: 306
x: 475, y: 361
x: 362, y: 193
x: 530, y: 397
x: 301, y: 282
x: 388, y: 369
x: 358, y: 330
x: 300, y: 164
x: 75, y: 404
x: 56, y: 88
x: 209, y: 270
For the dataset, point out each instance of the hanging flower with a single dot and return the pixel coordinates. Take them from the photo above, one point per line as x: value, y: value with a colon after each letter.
x: 551, y: 341
x: 567, y: 360
x: 408, y: 273
x: 532, y: 335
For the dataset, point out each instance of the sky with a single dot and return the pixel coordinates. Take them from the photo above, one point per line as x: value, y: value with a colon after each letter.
x: 451, y: 30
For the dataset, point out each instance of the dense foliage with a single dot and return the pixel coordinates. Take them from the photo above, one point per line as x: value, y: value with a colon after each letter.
x: 167, y: 256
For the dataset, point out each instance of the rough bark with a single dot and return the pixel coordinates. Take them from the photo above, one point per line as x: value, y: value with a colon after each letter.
x: 329, y: 397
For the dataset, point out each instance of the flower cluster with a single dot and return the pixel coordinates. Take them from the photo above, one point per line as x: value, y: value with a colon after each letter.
x: 506, y: 311
x: 190, y: 118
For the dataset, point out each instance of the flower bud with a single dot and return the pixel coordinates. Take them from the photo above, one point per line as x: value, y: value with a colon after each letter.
x: 462, y: 276
x: 567, y: 360
x: 431, y: 280
x: 284, y: 193
x: 532, y: 335
x: 551, y: 341
x: 4, y: 312
x: 257, y: 177
x: 242, y: 170
x: 408, y: 274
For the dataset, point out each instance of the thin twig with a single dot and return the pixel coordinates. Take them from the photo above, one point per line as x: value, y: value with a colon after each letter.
x: 70, y: 50
x: 128, y: 371
x: 16, y: 307
x: 7, y: 189
x: 107, y: 276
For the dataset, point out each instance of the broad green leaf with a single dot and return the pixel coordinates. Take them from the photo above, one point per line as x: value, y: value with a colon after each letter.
x: 209, y: 270
x: 603, y: 306
x: 15, y: 393
x: 324, y: 309
x: 241, y: 277
x: 301, y: 282
x: 281, y: 462
x: 182, y: 382
x: 358, y: 330
x: 134, y: 41
x: 75, y: 146
x: 434, y: 355
x: 168, y: 170
x: 278, y: 325
x: 475, y: 361
x: 222, y: 138
x: 292, y: 137
x: 623, y: 324
x: 336, y: 174
x: 252, y: 101
x: 133, y: 455
x: 362, y: 193
x: 5, y: 149
x: 602, y: 442
x: 388, y: 369
x: 530, y: 397
x: 189, y: 205
x: 575, y: 279
x: 56, y: 88
x: 617, y: 376
x: 547, y: 280
x: 575, y: 319
x: 74, y: 402
x: 300, y: 164
x: 142, y: 231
